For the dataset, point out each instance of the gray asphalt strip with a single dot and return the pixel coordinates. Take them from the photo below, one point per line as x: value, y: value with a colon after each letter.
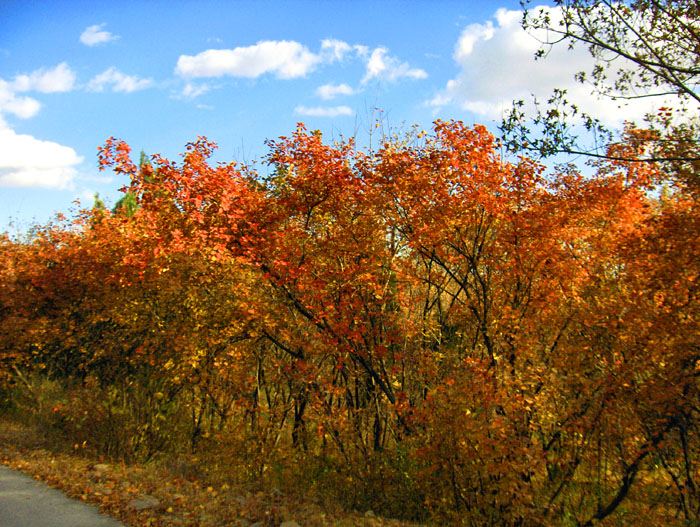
x: 25, y: 502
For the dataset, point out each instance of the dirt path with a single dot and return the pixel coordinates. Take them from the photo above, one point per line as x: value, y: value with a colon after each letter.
x: 25, y: 502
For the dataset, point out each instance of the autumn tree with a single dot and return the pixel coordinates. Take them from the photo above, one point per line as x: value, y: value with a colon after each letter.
x: 641, y: 50
x: 426, y: 328
x: 435, y: 299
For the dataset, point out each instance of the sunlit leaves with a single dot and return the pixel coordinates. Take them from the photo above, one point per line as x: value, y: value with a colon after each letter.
x: 513, y: 341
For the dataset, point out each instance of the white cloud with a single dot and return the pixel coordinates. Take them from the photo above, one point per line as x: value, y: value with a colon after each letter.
x: 119, y: 81
x: 289, y: 59
x: 471, y: 35
x: 362, y: 51
x: 497, y: 66
x: 59, y: 79
x: 330, y: 91
x: 22, y: 107
x: 190, y: 91
x: 285, y: 59
x: 24, y: 160
x: 382, y: 66
x: 86, y: 197
x: 333, y: 50
x: 94, y: 35
x: 29, y: 162
x: 323, y: 111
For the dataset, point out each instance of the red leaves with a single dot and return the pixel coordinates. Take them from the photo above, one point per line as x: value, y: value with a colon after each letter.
x: 115, y: 154
x: 431, y: 299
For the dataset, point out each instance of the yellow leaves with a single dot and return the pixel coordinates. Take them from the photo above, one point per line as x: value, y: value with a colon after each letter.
x: 495, y: 308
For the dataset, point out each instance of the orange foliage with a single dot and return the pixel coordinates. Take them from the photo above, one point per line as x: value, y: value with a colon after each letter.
x: 494, y: 344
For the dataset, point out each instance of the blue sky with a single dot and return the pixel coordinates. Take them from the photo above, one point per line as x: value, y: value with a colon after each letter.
x: 160, y: 73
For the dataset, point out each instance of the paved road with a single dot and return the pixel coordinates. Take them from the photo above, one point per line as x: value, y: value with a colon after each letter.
x: 24, y: 502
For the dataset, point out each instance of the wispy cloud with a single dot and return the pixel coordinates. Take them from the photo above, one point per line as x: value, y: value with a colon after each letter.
x: 94, y: 35
x: 380, y: 65
x: 323, y: 111
x: 58, y: 79
x: 287, y: 59
x: 19, y: 106
x: 190, y: 91
x: 335, y: 50
x: 44, y: 80
x: 119, y: 81
x: 331, y: 91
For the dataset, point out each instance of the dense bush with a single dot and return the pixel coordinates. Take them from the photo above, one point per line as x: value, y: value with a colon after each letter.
x: 425, y: 329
